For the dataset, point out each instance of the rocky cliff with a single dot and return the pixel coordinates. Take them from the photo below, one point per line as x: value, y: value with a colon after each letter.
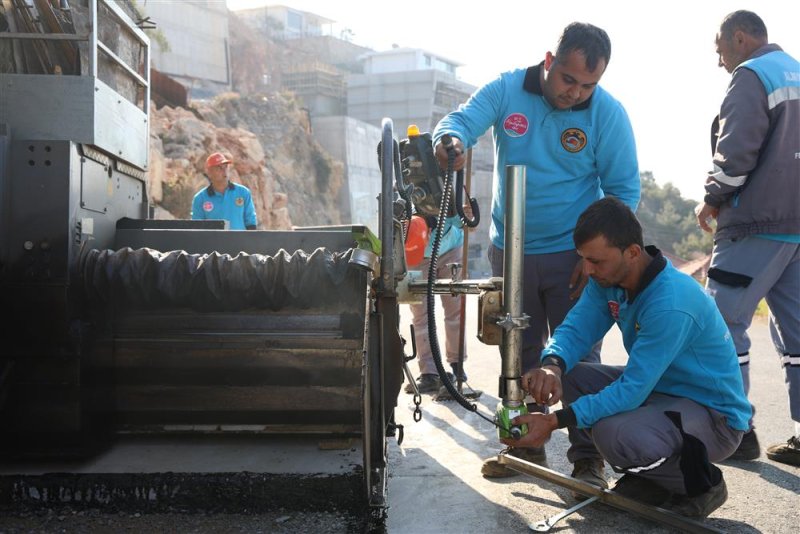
x: 268, y: 137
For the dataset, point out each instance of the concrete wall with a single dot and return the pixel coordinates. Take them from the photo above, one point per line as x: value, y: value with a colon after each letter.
x: 197, y: 33
x: 355, y: 144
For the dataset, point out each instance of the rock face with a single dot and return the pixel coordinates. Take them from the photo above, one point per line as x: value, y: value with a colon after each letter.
x: 268, y: 137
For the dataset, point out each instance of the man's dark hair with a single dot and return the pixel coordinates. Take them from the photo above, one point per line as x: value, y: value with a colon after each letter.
x: 746, y: 21
x: 612, y: 219
x: 592, y: 41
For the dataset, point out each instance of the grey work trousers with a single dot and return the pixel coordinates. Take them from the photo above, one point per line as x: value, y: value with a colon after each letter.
x: 645, y: 441
x: 545, y: 299
x: 774, y: 267
x: 452, y: 316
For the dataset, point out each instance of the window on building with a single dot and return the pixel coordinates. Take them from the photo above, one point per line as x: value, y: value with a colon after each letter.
x: 294, y: 21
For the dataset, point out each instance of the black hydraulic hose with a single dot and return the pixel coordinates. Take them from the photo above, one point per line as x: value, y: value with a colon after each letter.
x: 434, y: 340
x: 473, y: 204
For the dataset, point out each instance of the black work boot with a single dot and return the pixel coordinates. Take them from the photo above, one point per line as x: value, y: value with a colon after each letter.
x: 642, y: 490
x: 748, y: 449
x: 702, y: 505
x: 426, y: 383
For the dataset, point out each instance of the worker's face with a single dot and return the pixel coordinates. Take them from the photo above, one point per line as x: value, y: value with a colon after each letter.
x: 607, y: 265
x: 568, y: 81
x: 730, y: 51
x: 218, y: 175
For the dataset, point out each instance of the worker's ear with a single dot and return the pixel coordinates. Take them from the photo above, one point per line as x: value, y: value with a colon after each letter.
x: 549, y: 58
x: 632, y: 252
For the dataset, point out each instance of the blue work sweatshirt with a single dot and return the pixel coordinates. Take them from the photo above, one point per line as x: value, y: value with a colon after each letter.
x: 677, y: 344
x: 235, y: 205
x: 452, y: 236
x: 573, y: 157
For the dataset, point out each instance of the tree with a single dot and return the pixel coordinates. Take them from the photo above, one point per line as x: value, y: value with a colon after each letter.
x: 668, y: 220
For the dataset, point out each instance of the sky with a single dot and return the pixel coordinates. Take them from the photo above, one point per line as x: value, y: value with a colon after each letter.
x: 663, y: 66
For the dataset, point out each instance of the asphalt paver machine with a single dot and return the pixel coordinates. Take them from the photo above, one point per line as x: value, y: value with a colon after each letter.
x: 116, y: 322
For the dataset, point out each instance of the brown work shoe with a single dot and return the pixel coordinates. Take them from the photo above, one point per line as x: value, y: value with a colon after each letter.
x: 786, y: 453
x: 591, y: 470
x: 702, y: 505
x: 642, y: 490
x: 491, y: 468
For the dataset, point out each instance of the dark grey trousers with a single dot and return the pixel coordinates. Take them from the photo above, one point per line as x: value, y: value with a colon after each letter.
x: 545, y: 299
x: 646, y: 441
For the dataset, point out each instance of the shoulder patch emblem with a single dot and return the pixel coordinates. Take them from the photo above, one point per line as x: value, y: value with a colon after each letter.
x: 239, y: 201
x: 515, y: 125
x: 573, y: 139
x: 613, y: 309
x: 208, y: 205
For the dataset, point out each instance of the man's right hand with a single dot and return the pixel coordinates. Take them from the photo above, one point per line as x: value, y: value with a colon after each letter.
x: 441, y: 154
x: 543, y: 384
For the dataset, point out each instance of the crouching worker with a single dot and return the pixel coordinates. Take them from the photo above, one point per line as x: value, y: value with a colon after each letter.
x: 679, y: 403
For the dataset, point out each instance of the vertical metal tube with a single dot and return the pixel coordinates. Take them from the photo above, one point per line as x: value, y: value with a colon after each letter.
x: 93, y: 39
x: 513, y: 259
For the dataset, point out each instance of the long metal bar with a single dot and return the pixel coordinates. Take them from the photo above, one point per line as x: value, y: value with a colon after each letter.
x: 513, y: 257
x: 93, y: 38
x: 445, y: 286
x: 132, y: 73
x: 45, y: 36
x: 653, y: 513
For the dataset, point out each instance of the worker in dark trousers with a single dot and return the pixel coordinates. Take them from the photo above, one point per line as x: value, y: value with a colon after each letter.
x: 679, y: 403
x: 754, y: 194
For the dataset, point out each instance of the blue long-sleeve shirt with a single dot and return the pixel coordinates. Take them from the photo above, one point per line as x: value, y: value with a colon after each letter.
x: 573, y: 157
x: 235, y: 205
x: 677, y: 344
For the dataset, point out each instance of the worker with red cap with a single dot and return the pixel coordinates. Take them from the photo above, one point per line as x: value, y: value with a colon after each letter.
x: 223, y: 199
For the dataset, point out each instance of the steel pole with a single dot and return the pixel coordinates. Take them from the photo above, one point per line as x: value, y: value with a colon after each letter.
x: 513, y: 257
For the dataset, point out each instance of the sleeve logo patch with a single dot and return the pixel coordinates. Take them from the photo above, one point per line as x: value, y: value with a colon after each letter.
x: 208, y: 205
x: 515, y: 125
x: 239, y: 201
x: 573, y: 140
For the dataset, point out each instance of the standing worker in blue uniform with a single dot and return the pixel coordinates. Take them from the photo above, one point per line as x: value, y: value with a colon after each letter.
x: 223, y: 199
x: 577, y: 145
x: 754, y: 194
x: 677, y: 405
x: 428, y: 380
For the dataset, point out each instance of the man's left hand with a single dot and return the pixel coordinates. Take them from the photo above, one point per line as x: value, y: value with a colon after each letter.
x: 540, y: 426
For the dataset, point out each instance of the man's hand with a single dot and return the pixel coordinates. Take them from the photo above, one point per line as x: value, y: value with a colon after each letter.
x: 544, y: 385
x: 577, y: 281
x: 540, y: 426
x: 705, y: 213
x: 441, y: 154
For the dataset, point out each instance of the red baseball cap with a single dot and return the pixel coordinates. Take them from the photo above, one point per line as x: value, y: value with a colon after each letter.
x: 215, y: 159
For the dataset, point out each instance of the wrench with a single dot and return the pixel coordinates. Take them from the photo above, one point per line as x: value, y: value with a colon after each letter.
x: 546, y: 524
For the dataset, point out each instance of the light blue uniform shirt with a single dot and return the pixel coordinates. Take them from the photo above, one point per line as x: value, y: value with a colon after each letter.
x: 572, y: 157
x: 235, y: 205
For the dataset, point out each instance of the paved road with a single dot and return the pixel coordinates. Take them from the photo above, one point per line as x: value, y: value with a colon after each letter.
x: 436, y: 485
